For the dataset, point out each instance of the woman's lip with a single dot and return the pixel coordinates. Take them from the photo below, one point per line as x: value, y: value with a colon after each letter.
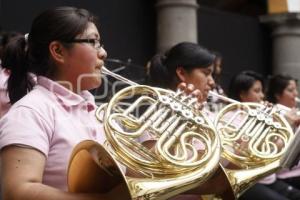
x: 99, y: 66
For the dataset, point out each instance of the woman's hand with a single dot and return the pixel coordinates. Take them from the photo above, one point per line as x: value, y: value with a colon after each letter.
x: 293, y: 118
x: 189, y: 89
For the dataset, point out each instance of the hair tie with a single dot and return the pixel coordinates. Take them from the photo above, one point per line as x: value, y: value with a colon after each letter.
x: 26, y: 37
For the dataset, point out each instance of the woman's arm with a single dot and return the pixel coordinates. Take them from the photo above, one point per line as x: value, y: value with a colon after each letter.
x: 21, y: 177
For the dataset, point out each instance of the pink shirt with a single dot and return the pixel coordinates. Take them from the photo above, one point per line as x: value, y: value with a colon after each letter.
x: 52, y: 120
x: 4, y: 99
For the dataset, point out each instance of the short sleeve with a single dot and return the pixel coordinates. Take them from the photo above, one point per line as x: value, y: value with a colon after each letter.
x: 24, y: 126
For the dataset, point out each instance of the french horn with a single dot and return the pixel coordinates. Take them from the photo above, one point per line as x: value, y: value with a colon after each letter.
x: 185, y: 151
x: 254, y: 141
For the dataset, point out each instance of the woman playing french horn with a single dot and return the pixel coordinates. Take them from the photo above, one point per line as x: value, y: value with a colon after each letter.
x: 45, y: 122
x: 185, y: 62
x: 65, y: 52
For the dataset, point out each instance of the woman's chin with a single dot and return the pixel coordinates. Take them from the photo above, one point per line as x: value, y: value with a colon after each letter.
x: 97, y: 83
x: 293, y: 105
x: 92, y: 83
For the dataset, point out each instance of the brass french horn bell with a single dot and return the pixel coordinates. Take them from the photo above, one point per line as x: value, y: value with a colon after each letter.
x: 185, y: 149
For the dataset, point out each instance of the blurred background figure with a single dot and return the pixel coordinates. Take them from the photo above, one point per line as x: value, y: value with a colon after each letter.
x: 247, y: 86
x: 214, y: 104
x: 282, y: 89
x: 4, y: 100
x: 6, y: 37
x: 217, y: 73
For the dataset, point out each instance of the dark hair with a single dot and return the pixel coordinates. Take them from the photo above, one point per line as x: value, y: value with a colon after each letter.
x: 162, y: 68
x: 242, y: 82
x: 276, y: 86
x: 4, y: 40
x: 61, y: 24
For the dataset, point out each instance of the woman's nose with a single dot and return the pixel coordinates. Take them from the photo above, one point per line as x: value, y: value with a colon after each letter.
x: 211, y: 82
x: 102, y: 54
x: 262, y: 95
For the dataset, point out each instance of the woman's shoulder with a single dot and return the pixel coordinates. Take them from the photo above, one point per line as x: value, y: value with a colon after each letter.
x: 37, y: 95
x: 39, y: 100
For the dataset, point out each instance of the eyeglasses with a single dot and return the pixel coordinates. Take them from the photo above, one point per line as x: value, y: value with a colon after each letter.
x: 94, y: 42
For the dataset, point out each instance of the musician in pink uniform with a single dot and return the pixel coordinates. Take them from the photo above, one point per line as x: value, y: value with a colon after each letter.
x: 48, y: 119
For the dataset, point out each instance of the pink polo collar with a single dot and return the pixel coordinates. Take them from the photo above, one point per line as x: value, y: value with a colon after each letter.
x: 66, y: 97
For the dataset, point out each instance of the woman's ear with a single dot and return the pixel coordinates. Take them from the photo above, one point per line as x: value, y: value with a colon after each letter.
x: 277, y: 97
x: 181, y: 74
x: 242, y: 96
x: 56, y: 50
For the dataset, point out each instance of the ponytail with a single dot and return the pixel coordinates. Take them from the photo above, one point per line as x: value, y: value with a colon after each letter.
x: 15, y: 59
x: 32, y: 55
x: 158, y: 75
